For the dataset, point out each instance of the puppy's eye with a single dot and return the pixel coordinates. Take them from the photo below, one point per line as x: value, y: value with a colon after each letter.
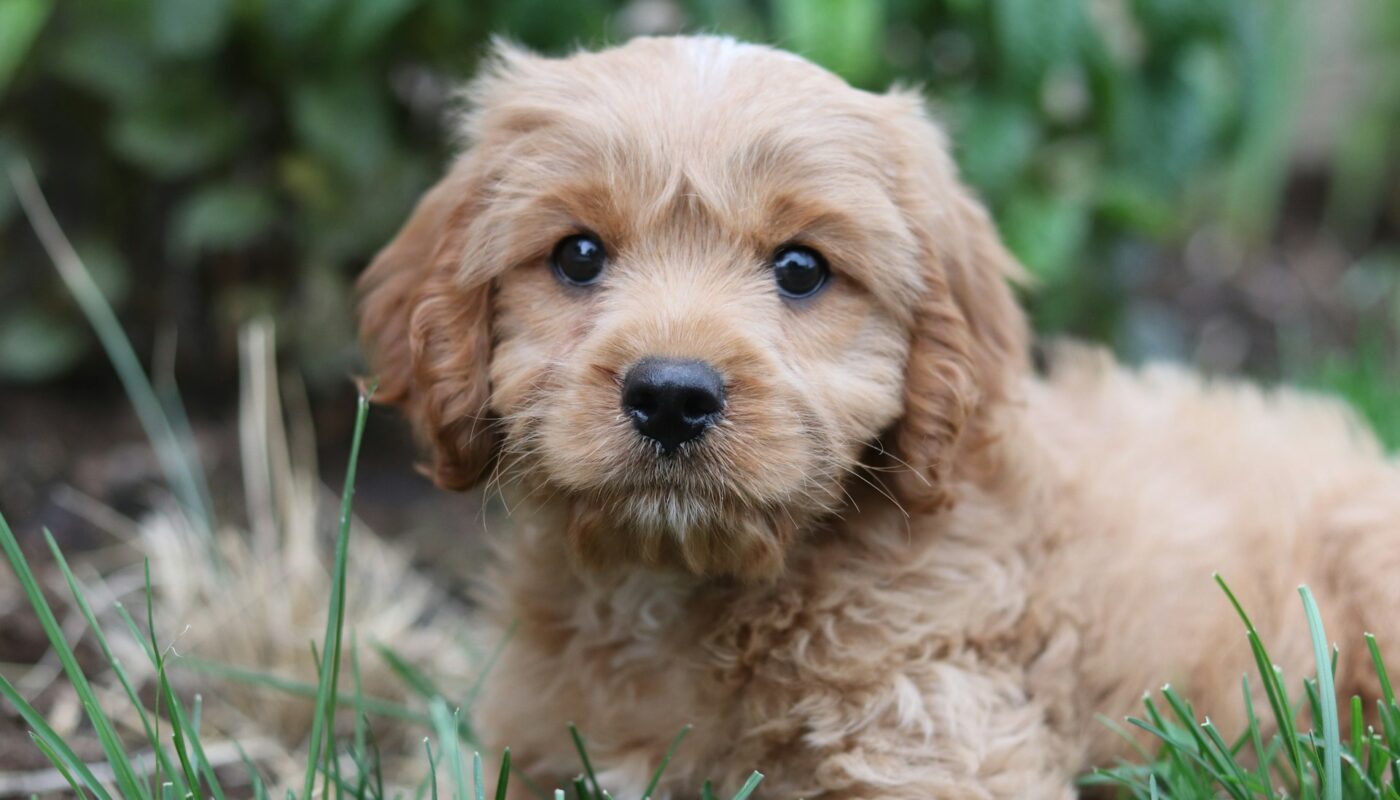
x: 799, y: 271
x: 578, y: 260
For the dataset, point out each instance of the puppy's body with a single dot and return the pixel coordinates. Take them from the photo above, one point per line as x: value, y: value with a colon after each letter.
x: 886, y: 561
x: 967, y: 653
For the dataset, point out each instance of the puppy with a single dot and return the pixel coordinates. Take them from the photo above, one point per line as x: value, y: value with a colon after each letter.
x: 739, y: 352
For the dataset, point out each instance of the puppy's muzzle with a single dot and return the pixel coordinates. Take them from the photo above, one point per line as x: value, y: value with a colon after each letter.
x: 672, y: 402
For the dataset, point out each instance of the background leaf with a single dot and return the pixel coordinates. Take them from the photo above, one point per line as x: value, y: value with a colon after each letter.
x: 185, y: 28
x: 1032, y: 36
x: 1045, y: 232
x: 343, y: 120
x: 994, y: 139
x: 221, y: 217
x: 177, y: 132
x: 20, y: 21
x: 36, y: 346
x: 843, y: 35
x: 367, y: 22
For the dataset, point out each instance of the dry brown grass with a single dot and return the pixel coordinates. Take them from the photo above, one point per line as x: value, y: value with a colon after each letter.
x: 256, y: 605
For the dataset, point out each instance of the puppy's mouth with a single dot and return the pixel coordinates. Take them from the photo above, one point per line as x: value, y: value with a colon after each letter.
x: 675, y: 469
x: 680, y: 480
x: 678, y: 532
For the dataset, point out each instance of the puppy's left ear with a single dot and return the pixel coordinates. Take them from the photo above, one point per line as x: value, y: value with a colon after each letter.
x: 969, y: 339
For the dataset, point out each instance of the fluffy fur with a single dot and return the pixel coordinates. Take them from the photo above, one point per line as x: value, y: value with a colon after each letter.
x: 903, y: 565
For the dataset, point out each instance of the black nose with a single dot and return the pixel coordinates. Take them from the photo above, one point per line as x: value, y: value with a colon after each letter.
x: 670, y: 401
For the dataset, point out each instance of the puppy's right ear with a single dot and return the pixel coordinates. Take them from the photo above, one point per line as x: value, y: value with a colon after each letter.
x: 969, y: 340
x: 425, y: 327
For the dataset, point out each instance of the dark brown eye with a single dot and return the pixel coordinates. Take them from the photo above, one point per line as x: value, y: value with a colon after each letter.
x: 579, y: 259
x: 799, y: 271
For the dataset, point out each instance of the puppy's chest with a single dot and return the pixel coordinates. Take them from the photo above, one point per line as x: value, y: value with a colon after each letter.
x: 733, y: 660
x: 683, y: 643
x: 754, y: 669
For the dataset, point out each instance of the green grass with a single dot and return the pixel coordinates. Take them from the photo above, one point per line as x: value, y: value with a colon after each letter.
x: 1195, y: 760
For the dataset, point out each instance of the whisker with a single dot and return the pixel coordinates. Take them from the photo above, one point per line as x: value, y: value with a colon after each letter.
x: 918, y: 473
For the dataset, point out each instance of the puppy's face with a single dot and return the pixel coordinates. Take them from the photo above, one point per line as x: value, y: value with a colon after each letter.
x: 683, y: 287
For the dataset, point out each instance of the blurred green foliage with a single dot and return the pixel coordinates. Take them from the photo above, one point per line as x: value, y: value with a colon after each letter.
x: 217, y: 159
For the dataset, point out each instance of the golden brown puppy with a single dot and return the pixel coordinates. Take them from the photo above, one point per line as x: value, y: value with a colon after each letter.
x: 738, y: 350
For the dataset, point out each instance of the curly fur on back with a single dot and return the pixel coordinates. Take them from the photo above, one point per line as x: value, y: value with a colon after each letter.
x: 902, y: 565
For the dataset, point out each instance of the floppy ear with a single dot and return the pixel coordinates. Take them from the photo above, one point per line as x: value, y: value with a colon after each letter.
x: 425, y: 328
x: 969, y: 339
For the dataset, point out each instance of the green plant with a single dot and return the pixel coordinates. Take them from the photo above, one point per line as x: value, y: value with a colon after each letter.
x: 252, y: 153
x: 1370, y: 382
x: 248, y: 156
x: 1364, y: 180
x: 1195, y: 760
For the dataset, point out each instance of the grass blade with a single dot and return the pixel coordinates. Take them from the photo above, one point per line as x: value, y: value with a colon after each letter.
x: 1257, y: 739
x: 1126, y: 736
x: 503, y: 776
x: 147, y: 644
x: 58, y: 765
x: 191, y: 729
x: 1241, y: 785
x: 490, y: 665
x: 373, y: 705
x: 411, y: 676
x: 106, y: 734
x: 749, y: 786
x: 1218, y: 765
x: 1273, y: 686
x: 163, y: 690
x: 327, y: 687
x: 54, y: 744
x: 666, y: 759
x: 1181, y: 753
x: 449, y: 746
x: 583, y: 756
x: 1387, y: 691
x: 101, y: 638
x: 432, y: 768
x: 1327, y: 694
x: 183, y: 472
x: 1389, y: 712
x: 423, y: 686
x: 254, y: 776
x: 359, y: 745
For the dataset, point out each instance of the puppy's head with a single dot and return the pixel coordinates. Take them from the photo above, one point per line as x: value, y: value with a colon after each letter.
x: 692, y: 289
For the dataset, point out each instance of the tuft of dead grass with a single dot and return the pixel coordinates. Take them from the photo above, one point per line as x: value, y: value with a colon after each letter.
x: 238, y: 615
